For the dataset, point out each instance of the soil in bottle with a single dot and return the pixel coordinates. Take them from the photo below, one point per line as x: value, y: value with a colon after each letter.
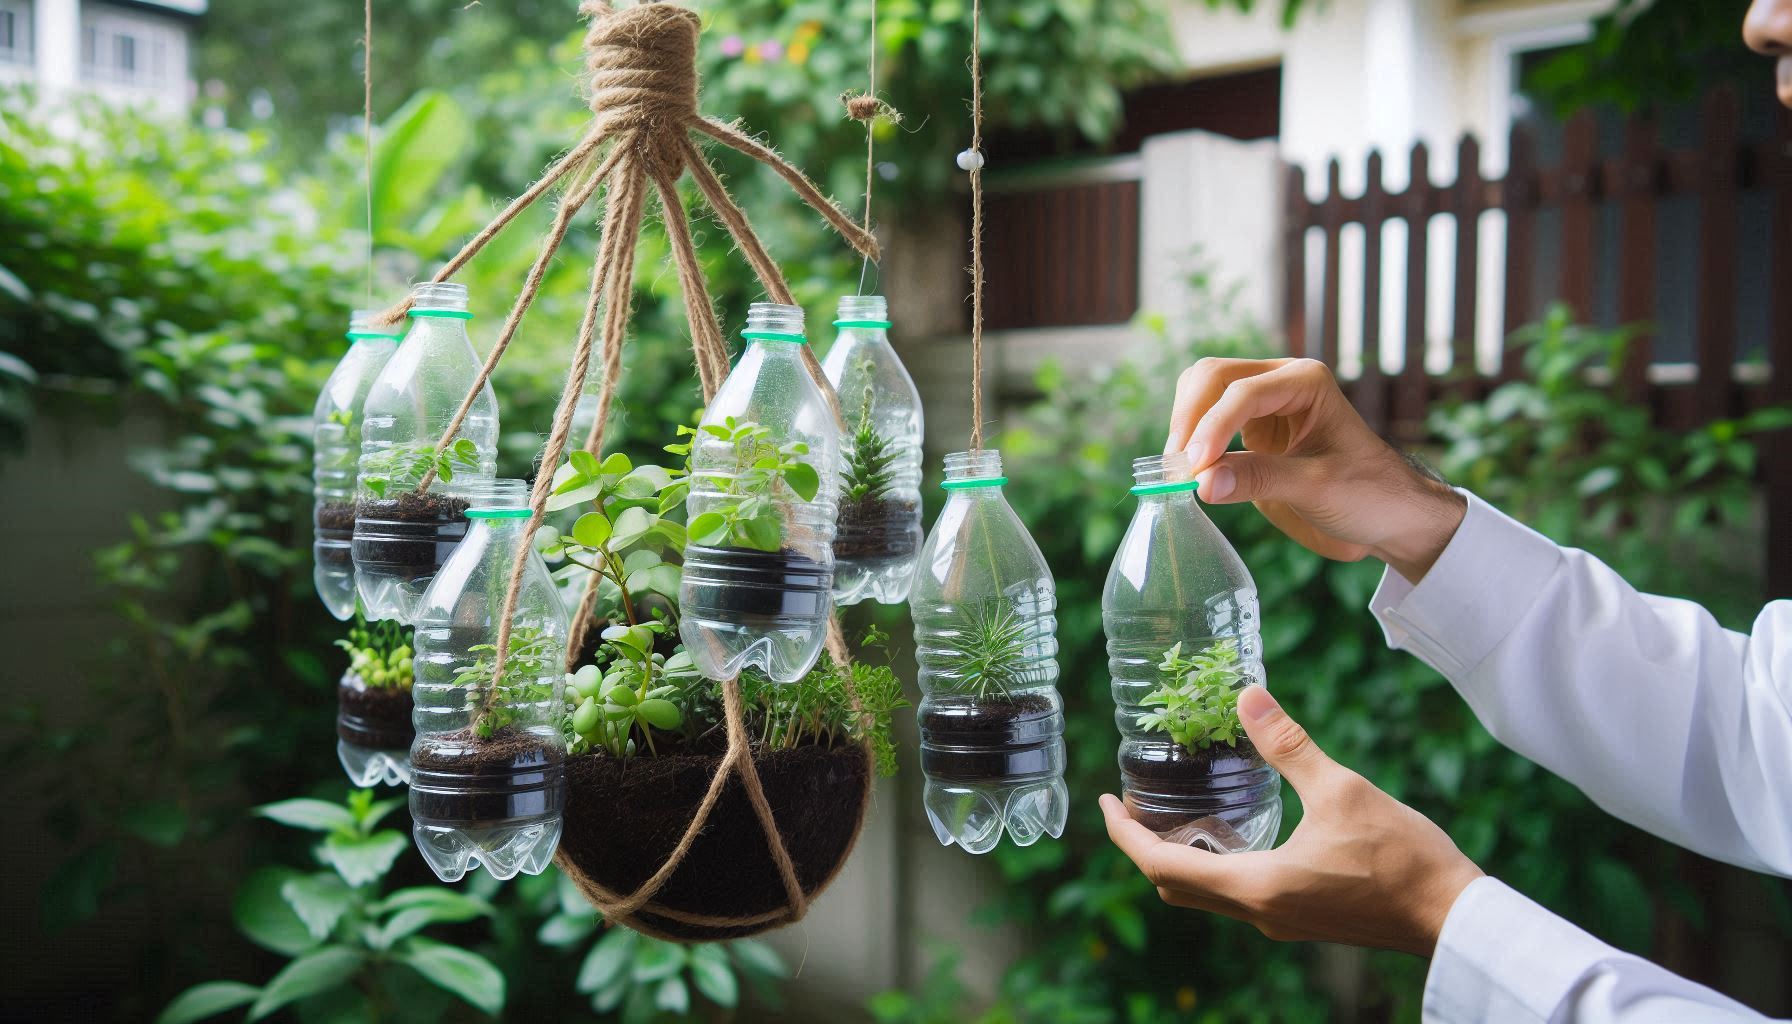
x: 375, y: 718
x: 464, y: 779
x: 1171, y: 771
x: 877, y: 529
x: 744, y: 585
x: 989, y: 739
x: 414, y: 535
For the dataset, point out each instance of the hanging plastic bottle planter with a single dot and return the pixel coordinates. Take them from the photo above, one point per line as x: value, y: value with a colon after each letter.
x: 879, y: 525
x: 336, y: 450
x: 1180, y: 613
x: 373, y: 705
x: 991, y: 720
x: 412, y: 490
x: 764, y: 482
x: 487, y: 785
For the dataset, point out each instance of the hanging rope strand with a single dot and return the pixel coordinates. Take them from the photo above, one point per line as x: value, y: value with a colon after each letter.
x: 367, y: 130
x: 976, y: 172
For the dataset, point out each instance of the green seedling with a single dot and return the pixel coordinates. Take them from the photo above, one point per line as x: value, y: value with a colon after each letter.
x: 1197, y: 697
x: 617, y: 707
x: 529, y: 671
x: 763, y: 476
x: 991, y: 657
x: 870, y: 462
x: 380, y: 654
x: 396, y: 469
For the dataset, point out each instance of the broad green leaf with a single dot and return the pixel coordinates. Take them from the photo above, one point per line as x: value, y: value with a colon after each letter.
x: 639, y: 559
x: 657, y: 959
x: 562, y: 930
x: 263, y: 914
x: 320, y: 900
x: 207, y: 1000
x: 157, y: 822
x: 608, y: 960
x: 757, y: 957
x: 592, y: 530
x: 714, y: 975
x: 307, y: 976
x: 584, y: 463
x: 659, y: 713
x: 411, y: 920
x: 631, y: 525
x: 447, y: 900
x: 660, y: 579
x: 316, y: 815
x: 763, y: 532
x: 708, y: 529
x: 572, y: 488
x: 418, y: 144
x: 617, y: 464
x: 363, y: 859
x: 673, y: 996
x: 466, y: 974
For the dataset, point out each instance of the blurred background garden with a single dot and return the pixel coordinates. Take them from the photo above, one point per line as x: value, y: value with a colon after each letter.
x: 183, y: 229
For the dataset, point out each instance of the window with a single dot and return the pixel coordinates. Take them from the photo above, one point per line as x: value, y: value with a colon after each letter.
x: 120, y: 48
x: 15, y: 31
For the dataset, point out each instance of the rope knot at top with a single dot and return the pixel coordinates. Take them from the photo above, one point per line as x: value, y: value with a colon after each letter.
x: 641, y: 65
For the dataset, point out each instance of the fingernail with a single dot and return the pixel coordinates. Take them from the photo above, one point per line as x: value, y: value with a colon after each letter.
x: 1217, y: 485
x: 1255, y: 704
x: 1197, y: 454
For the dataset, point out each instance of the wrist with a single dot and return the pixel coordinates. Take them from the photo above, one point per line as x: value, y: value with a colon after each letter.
x: 1444, y: 895
x: 1430, y: 513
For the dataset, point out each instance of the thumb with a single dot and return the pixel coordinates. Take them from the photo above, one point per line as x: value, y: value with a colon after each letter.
x: 1280, y: 739
x: 1253, y: 476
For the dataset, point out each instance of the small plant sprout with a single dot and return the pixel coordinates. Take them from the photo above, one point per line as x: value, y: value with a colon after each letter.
x: 989, y: 657
x: 527, y: 678
x: 818, y: 707
x: 1197, y: 697
x: 379, y: 654
x: 763, y: 472
x: 870, y: 461
x: 396, y: 469
x: 627, y: 536
x: 637, y: 692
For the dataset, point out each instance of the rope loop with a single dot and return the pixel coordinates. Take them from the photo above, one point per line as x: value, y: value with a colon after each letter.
x: 641, y: 67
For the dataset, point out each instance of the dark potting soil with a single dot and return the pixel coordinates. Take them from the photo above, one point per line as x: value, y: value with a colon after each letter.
x: 335, y: 516
x: 408, y: 536
x: 990, y: 739
x: 624, y: 818
x: 334, y: 524
x: 733, y: 584
x: 1227, y: 782
x: 377, y: 718
x: 462, y: 779
x: 873, y: 529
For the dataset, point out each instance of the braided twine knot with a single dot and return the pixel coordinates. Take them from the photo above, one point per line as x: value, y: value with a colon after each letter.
x: 641, y: 67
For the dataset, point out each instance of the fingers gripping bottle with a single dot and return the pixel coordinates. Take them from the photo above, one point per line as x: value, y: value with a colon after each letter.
x: 879, y: 531
x: 991, y: 720
x: 336, y: 448
x: 759, y: 564
x: 402, y: 537
x: 486, y: 767
x: 1180, y: 613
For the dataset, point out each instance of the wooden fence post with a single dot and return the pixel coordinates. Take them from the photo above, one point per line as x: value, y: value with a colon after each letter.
x: 1469, y: 201
x: 1716, y: 294
x: 1778, y: 447
x: 1411, y: 392
x: 1371, y: 387
x: 1294, y: 261
x: 1635, y: 190
x: 1518, y: 197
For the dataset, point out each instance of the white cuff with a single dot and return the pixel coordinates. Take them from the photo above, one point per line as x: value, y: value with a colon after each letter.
x: 1502, y: 958
x: 1487, y: 578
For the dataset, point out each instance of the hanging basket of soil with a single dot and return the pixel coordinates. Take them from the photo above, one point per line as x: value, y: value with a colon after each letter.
x: 712, y: 845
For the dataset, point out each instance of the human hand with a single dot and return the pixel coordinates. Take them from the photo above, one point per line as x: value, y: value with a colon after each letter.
x: 1361, y: 867
x: 1311, y: 464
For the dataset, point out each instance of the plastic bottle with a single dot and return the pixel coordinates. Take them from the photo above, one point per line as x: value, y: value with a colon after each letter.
x: 336, y: 448
x: 1177, y: 588
x: 879, y: 533
x: 486, y: 768
x: 373, y: 707
x: 402, y: 537
x: 991, y: 720
x: 760, y: 562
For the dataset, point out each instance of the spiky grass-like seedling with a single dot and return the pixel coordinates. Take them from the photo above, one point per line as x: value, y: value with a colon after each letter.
x: 989, y: 659
x: 870, y: 462
x: 1197, y: 697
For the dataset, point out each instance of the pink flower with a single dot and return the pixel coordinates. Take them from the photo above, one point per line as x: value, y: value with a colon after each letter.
x: 771, y: 49
x: 733, y: 46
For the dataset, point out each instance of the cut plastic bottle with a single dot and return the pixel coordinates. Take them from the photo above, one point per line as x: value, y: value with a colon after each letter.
x: 373, y: 709
x: 759, y: 567
x: 879, y: 526
x: 1180, y: 613
x: 991, y: 720
x: 402, y: 537
x: 487, y: 784
x: 336, y: 450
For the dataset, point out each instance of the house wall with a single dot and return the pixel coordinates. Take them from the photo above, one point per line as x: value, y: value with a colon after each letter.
x: 159, y: 74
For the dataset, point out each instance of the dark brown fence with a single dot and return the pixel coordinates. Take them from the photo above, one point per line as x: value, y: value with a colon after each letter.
x: 1069, y: 255
x: 1634, y: 183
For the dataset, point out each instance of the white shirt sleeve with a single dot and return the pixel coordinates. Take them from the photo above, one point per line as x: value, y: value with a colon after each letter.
x: 1645, y: 703
x: 1502, y: 959
x: 1664, y: 718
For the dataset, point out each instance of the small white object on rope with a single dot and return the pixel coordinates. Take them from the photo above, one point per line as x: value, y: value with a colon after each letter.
x: 970, y: 160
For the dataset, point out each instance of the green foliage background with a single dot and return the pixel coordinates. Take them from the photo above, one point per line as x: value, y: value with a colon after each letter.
x: 200, y: 278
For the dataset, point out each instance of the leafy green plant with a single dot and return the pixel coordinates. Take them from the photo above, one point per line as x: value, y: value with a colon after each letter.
x: 1197, y: 697
x: 762, y: 475
x: 818, y: 707
x: 404, y: 466
x: 990, y: 655
x: 380, y: 653
x: 628, y: 535
x: 529, y: 669
x: 640, y: 691
x: 355, y: 947
x: 870, y: 461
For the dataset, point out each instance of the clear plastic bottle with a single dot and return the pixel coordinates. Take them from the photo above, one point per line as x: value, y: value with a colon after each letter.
x: 760, y: 563
x: 879, y: 533
x: 373, y: 706
x: 992, y: 723
x: 486, y: 768
x: 1180, y: 612
x: 336, y: 449
x: 402, y: 537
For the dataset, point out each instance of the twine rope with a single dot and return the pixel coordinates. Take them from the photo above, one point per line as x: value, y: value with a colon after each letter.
x: 976, y: 173
x: 641, y: 64
x: 367, y: 129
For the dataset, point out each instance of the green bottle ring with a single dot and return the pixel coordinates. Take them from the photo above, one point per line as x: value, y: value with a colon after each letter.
x: 785, y: 336
x: 873, y: 325
x: 497, y: 513
x: 1181, y: 485
x: 976, y: 481
x: 450, y: 314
